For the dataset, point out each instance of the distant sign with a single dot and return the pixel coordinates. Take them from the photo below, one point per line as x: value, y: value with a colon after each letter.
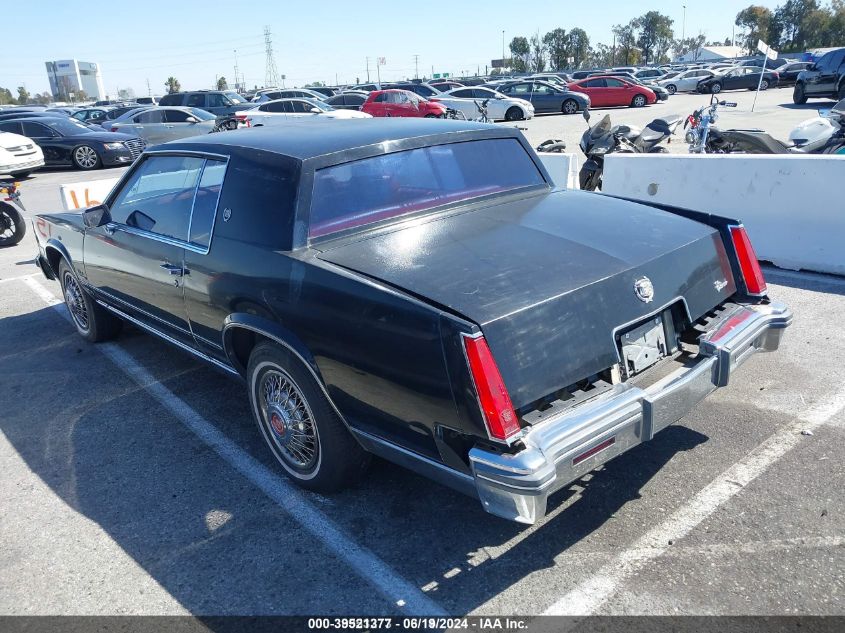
x: 767, y: 50
x: 500, y: 63
x: 382, y: 61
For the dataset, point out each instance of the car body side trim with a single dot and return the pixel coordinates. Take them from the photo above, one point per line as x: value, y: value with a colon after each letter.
x: 111, y: 297
x: 169, y: 339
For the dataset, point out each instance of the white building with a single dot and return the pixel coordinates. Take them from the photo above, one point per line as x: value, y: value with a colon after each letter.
x: 70, y: 76
x: 711, y: 54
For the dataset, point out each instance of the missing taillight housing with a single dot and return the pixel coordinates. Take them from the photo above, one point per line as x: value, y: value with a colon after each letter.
x: 755, y: 283
x: 496, y: 407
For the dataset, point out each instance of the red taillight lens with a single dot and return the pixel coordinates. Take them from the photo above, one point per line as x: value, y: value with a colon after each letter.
x: 493, y: 397
x: 755, y: 283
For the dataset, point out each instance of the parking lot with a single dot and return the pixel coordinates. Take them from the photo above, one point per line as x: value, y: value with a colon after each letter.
x: 136, y: 482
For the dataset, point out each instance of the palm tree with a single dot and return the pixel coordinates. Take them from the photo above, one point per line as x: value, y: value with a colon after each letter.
x: 172, y: 84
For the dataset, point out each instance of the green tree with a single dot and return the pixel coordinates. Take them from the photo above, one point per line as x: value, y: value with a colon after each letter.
x: 625, y: 50
x: 557, y: 44
x: 172, y: 84
x: 520, y: 52
x: 23, y: 95
x: 222, y: 84
x: 579, y: 47
x: 600, y: 57
x: 537, y: 59
x: 690, y: 44
x: 792, y: 18
x: 655, y: 35
x: 6, y: 97
x: 756, y: 23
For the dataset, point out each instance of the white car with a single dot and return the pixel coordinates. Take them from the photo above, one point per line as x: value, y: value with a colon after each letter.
x: 685, y: 81
x: 281, y: 110
x: 499, y: 107
x: 19, y: 155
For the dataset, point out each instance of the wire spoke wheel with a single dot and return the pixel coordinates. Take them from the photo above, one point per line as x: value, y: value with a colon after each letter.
x: 288, y: 420
x: 76, y: 302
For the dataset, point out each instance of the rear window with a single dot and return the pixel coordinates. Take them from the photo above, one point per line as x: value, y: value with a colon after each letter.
x: 362, y: 192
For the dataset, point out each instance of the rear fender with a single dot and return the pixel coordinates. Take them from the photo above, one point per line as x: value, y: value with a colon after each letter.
x: 264, y: 327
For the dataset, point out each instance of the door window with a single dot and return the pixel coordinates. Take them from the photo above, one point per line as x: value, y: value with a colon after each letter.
x: 838, y: 59
x: 205, y: 203
x: 300, y: 107
x: 196, y: 100
x: 215, y: 100
x: 149, y: 117
x: 521, y: 89
x: 11, y: 126
x: 37, y: 130
x: 381, y: 98
x: 274, y: 106
x: 615, y: 83
x: 595, y: 83
x: 463, y: 94
x: 176, y: 116
x: 159, y: 195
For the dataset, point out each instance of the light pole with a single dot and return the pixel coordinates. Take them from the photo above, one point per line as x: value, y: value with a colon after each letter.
x: 503, y: 46
x: 684, y: 27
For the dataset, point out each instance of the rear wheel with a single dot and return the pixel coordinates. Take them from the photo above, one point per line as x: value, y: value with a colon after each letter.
x: 672, y: 88
x: 638, y: 101
x: 93, y: 322
x: 570, y: 106
x: 764, y: 85
x: 798, y: 96
x: 12, y: 225
x: 514, y: 113
x: 716, y: 88
x: 299, y: 424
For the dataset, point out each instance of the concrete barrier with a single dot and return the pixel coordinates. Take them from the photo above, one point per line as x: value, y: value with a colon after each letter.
x: 86, y: 194
x: 563, y: 168
x: 791, y: 205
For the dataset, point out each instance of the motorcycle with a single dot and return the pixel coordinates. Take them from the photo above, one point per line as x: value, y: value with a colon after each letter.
x: 12, y: 224
x: 824, y: 134
x: 605, y: 138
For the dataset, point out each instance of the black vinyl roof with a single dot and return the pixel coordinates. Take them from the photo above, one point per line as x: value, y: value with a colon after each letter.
x: 312, y: 138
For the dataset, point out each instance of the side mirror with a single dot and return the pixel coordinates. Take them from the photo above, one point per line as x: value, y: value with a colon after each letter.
x: 96, y: 216
x: 191, y: 119
x: 587, y: 114
x: 824, y: 112
x: 315, y: 110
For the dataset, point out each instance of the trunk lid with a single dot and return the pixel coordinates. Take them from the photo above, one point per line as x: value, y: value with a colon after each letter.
x: 548, y: 278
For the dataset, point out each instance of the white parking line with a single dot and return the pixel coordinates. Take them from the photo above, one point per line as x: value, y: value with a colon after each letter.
x: 21, y: 278
x: 366, y: 564
x: 591, y: 594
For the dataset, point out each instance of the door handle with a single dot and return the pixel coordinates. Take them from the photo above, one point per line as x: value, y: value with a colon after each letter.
x: 174, y: 269
x: 170, y: 126
x: 110, y: 228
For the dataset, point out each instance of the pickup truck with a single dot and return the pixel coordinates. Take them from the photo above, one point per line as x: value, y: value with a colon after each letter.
x: 419, y: 290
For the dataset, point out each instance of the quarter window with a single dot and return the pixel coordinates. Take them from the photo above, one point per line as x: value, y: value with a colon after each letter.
x: 159, y: 195
x: 205, y: 203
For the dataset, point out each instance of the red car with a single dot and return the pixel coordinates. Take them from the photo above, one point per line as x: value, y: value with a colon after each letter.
x: 401, y: 103
x: 614, y: 91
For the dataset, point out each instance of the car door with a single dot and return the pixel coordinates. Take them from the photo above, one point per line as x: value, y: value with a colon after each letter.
x: 546, y: 97
x: 596, y: 89
x: 49, y: 141
x: 618, y: 92
x: 299, y: 109
x: 829, y: 74
x: 136, y: 261
x: 177, y: 126
x: 150, y: 126
x: 273, y: 112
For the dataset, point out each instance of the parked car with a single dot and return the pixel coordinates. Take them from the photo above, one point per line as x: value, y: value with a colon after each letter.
x: 401, y: 103
x: 770, y: 64
x: 547, y: 98
x: 19, y: 155
x: 148, y: 100
x: 91, y: 115
x: 221, y: 103
x: 419, y: 291
x: 423, y: 90
x: 66, y: 141
x: 289, y: 93
x: 348, y: 100
x: 824, y: 79
x: 738, y: 78
x: 650, y: 73
x: 115, y: 113
x: 443, y: 86
x: 788, y: 73
x: 500, y: 107
x: 685, y: 81
x: 324, y: 91
x: 162, y: 124
x: 284, y: 110
x: 614, y: 91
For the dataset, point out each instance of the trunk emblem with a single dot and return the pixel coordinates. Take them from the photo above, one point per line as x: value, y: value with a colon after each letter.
x: 720, y: 285
x: 644, y: 289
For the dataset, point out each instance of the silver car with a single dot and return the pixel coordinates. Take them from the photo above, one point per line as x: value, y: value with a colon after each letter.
x: 163, y: 124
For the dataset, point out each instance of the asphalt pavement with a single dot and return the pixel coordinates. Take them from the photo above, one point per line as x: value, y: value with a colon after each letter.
x: 135, y: 482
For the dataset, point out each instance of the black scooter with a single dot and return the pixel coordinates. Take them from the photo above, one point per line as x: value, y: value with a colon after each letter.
x: 12, y: 224
x: 605, y: 138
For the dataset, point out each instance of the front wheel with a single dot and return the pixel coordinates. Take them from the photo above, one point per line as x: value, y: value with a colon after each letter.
x: 638, y: 101
x: 672, y: 88
x: 12, y: 225
x: 570, y: 106
x: 514, y: 114
x: 798, y: 95
x: 716, y: 88
x: 589, y: 177
x: 93, y: 322
x: 86, y: 158
x: 299, y: 424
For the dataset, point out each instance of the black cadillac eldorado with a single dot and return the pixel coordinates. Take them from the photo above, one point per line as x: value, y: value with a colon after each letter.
x: 419, y: 290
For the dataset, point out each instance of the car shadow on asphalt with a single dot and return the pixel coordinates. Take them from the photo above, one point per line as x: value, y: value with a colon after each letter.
x: 211, y: 540
x: 814, y: 282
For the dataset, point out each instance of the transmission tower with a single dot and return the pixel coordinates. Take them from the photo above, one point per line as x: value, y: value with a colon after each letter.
x: 271, y: 74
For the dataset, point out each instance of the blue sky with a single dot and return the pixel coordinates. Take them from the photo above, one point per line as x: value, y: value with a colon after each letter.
x: 313, y: 40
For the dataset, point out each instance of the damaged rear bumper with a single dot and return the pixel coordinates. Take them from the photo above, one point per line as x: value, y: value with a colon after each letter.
x: 563, y: 449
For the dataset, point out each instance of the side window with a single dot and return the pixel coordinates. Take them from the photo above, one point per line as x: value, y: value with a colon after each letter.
x: 838, y: 59
x: 205, y: 203
x: 615, y: 83
x: 176, y: 116
x: 152, y: 116
x: 595, y: 83
x: 11, y: 126
x: 36, y: 130
x: 196, y: 100
x: 300, y: 107
x: 216, y: 101
x: 79, y: 116
x: 521, y: 89
x: 171, y: 100
x: 381, y: 98
x: 275, y: 106
x: 463, y: 94
x: 825, y: 62
x: 159, y: 195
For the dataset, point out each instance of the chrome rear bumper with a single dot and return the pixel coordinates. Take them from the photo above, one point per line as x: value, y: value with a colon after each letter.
x: 563, y: 449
